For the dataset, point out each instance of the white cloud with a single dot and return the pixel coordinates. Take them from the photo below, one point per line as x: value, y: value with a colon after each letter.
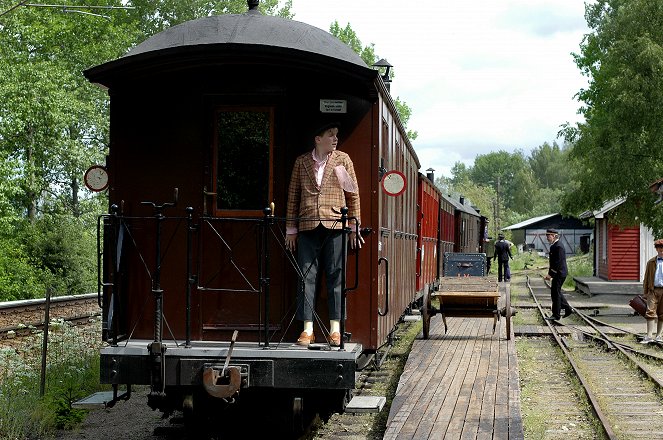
x: 480, y: 76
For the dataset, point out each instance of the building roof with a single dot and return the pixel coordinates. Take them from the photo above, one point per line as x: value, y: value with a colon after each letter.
x: 529, y: 222
x: 556, y: 221
x: 607, y: 207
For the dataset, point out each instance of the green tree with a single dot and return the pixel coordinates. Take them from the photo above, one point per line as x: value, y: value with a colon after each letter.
x: 617, y: 150
x: 367, y: 53
x: 508, y: 174
x: 460, y: 173
x: 52, y: 121
x: 153, y: 16
x: 549, y: 164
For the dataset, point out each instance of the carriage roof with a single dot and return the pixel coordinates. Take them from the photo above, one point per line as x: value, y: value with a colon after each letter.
x: 239, y: 35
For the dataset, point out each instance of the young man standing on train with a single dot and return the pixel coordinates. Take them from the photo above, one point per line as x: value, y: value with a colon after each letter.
x: 652, y: 286
x: 323, y: 181
x: 557, y: 274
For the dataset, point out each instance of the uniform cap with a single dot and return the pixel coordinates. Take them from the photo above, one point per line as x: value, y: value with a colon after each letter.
x: 552, y: 231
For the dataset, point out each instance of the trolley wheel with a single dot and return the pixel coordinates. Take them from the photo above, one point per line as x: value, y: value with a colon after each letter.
x: 507, y: 308
x: 426, y: 313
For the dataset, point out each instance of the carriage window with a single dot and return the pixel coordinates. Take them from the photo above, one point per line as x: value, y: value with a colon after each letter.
x: 243, y: 144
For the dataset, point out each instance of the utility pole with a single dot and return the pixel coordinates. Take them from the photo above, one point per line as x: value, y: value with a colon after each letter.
x: 498, y: 223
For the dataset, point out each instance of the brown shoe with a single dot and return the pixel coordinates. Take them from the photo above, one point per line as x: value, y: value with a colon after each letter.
x: 305, y: 339
x: 335, y: 339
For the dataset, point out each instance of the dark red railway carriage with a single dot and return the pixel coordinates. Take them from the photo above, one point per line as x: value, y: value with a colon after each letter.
x: 429, y: 231
x: 207, y: 119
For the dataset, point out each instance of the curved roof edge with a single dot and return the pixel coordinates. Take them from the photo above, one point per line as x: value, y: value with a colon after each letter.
x: 250, y: 28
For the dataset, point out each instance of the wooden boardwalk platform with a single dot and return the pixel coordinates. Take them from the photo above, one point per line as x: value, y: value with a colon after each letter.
x: 459, y: 385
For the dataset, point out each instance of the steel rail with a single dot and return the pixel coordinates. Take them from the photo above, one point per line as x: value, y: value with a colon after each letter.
x: 596, y: 409
x: 17, y: 308
x: 612, y: 345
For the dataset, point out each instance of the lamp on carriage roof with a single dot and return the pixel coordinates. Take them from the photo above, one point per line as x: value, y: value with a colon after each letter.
x: 385, y: 77
x: 430, y: 173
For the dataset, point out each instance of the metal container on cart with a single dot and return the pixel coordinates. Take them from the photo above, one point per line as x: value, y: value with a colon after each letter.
x: 464, y: 264
x: 466, y: 291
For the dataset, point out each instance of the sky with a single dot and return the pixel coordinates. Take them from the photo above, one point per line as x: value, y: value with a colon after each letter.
x: 479, y: 75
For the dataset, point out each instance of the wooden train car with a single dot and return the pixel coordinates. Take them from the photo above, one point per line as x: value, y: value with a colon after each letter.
x: 429, y: 229
x: 197, y: 288
x: 469, y: 227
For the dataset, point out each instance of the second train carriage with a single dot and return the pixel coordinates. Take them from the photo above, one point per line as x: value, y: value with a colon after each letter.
x: 207, y: 119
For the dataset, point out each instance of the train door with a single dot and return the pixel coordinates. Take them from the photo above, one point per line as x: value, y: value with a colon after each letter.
x: 236, y: 237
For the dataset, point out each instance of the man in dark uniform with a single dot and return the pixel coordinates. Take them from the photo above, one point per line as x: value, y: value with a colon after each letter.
x: 557, y: 274
x: 502, y: 255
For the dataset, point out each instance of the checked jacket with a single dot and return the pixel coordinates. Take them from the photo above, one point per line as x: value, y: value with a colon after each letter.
x: 310, y: 205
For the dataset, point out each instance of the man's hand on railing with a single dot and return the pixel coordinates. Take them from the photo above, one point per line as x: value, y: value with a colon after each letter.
x: 356, y: 240
x: 291, y: 242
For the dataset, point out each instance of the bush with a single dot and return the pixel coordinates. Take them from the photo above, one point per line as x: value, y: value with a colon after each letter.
x: 579, y: 266
x: 64, y: 251
x: 19, y: 278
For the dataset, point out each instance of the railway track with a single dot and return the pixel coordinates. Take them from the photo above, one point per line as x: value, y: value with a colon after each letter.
x: 19, y: 318
x: 620, y: 380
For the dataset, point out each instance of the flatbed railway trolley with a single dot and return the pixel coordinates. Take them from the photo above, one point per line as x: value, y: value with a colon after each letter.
x: 466, y: 292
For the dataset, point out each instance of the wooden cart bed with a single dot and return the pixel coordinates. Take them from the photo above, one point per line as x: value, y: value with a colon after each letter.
x: 466, y: 297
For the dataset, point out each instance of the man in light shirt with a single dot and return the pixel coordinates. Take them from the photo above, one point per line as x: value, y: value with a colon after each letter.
x: 652, y: 287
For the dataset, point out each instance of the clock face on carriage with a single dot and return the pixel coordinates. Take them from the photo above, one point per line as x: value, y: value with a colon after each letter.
x: 96, y: 178
x: 394, y: 183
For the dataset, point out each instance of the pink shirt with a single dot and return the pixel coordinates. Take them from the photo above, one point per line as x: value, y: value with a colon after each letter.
x: 319, y: 167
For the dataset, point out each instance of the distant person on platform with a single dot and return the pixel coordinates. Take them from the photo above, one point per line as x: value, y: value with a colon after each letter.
x: 557, y: 274
x: 652, y: 286
x: 502, y: 255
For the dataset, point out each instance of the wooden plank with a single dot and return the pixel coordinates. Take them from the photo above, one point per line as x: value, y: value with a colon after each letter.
x: 436, y: 355
x: 446, y: 411
x: 516, y: 431
x: 487, y: 417
x: 473, y: 414
x: 439, y: 386
x: 501, y: 425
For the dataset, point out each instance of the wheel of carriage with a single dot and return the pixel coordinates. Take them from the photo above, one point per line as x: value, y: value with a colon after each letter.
x: 507, y: 309
x: 426, y: 313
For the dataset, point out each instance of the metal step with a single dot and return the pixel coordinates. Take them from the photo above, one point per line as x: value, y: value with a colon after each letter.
x: 366, y: 404
x: 95, y: 401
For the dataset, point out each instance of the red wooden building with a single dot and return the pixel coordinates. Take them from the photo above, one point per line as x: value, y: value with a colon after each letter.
x: 620, y: 253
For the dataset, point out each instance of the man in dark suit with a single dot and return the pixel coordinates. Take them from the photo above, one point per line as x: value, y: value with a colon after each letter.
x: 502, y: 255
x: 557, y: 274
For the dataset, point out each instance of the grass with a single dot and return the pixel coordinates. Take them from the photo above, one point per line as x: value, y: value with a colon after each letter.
x: 398, y: 355
x: 578, y: 266
x: 72, y: 373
